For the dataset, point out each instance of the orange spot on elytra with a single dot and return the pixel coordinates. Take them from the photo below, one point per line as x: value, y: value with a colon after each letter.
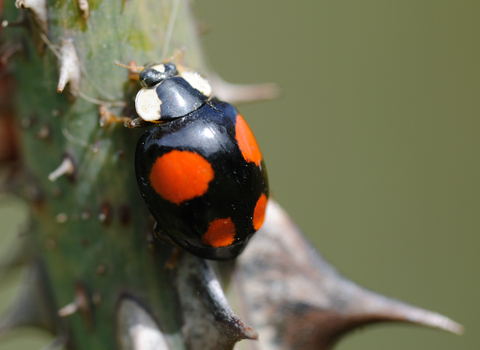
x: 220, y: 233
x: 246, y: 142
x: 259, y: 212
x: 178, y: 176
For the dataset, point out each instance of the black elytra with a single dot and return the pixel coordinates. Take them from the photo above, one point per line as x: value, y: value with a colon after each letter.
x: 209, y: 131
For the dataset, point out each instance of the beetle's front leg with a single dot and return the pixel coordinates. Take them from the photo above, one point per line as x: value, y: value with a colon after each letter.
x: 107, y: 117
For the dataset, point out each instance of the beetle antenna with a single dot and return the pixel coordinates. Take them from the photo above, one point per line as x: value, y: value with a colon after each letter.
x: 131, y: 66
x: 121, y: 65
x: 178, y: 56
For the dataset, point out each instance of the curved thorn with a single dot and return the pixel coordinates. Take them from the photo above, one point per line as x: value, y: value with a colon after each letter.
x: 70, y: 70
x: 136, y: 329
x: 290, y: 284
x: 209, y: 320
x: 34, y: 305
x: 39, y: 10
x: 384, y: 308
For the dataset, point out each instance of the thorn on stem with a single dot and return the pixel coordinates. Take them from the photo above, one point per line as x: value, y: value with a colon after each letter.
x: 67, y: 167
x: 136, y: 328
x: 70, y: 69
x: 81, y: 304
x: 84, y: 8
x: 68, y: 310
x: 39, y: 10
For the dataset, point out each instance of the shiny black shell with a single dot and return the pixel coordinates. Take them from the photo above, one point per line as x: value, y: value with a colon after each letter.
x: 209, y: 131
x: 179, y: 98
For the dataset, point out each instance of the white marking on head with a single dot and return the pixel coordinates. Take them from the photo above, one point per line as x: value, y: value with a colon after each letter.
x: 148, y: 104
x: 197, y: 82
x: 158, y: 67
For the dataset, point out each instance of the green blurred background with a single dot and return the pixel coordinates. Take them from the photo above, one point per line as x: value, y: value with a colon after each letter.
x: 373, y: 148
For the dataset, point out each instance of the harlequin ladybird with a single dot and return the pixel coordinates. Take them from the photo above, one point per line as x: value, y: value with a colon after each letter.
x: 199, y: 169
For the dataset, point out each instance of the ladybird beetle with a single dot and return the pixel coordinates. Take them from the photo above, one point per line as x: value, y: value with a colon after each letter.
x: 199, y: 169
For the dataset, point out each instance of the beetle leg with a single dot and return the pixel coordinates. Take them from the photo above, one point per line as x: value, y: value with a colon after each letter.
x: 133, y: 69
x: 136, y: 123
x: 158, y: 233
x: 107, y: 117
x: 170, y: 264
x: 177, y: 251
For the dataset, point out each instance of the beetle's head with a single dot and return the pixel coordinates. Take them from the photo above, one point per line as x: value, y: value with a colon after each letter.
x: 154, y: 74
